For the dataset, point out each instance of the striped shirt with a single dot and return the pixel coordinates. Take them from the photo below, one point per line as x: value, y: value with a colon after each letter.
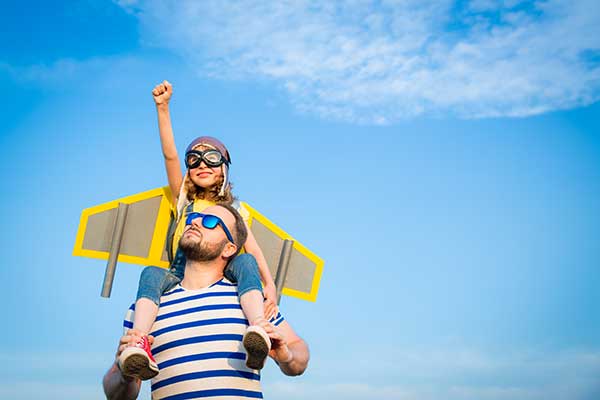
x: 198, y: 345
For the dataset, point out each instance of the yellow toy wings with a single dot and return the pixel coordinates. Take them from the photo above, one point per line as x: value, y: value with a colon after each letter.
x: 134, y: 230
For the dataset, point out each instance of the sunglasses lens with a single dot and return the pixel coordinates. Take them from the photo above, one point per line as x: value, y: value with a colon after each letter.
x: 210, y: 221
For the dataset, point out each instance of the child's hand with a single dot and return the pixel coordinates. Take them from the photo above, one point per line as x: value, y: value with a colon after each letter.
x: 130, y: 339
x: 162, y: 93
x: 270, y: 303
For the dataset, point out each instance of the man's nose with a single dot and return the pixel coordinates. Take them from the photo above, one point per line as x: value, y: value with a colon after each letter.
x: 197, y: 222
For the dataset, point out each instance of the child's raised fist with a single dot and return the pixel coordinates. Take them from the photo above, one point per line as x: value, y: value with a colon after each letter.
x: 162, y: 92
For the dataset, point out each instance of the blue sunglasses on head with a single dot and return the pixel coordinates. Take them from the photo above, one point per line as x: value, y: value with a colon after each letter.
x: 209, y: 221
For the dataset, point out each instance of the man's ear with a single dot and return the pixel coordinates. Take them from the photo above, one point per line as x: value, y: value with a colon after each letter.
x: 229, y: 250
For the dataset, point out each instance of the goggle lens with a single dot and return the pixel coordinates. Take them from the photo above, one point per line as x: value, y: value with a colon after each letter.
x: 212, y: 158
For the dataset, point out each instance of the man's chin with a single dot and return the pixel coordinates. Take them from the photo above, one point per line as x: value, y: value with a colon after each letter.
x: 194, y: 250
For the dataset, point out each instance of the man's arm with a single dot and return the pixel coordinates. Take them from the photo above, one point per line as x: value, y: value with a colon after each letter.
x: 288, y: 350
x: 298, y: 361
x: 119, y: 387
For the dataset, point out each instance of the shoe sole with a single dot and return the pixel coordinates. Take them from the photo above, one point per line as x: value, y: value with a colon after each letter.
x: 257, y: 350
x: 137, y: 365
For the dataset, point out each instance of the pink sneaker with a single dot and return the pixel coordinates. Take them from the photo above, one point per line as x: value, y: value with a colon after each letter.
x: 137, y: 361
x: 257, y: 344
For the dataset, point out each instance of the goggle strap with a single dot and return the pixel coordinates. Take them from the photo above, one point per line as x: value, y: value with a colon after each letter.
x: 225, y: 171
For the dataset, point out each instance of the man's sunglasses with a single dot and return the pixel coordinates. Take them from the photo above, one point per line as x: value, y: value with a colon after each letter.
x: 212, y: 158
x: 210, y: 222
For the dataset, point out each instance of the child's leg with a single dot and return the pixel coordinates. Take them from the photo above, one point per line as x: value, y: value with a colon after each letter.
x: 137, y: 360
x: 243, y: 270
x: 153, y: 283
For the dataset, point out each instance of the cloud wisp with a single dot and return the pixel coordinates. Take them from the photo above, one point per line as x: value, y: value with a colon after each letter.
x: 450, y: 374
x: 431, y: 373
x: 380, y: 61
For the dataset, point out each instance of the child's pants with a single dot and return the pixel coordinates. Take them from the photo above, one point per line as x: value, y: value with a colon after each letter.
x: 155, y: 281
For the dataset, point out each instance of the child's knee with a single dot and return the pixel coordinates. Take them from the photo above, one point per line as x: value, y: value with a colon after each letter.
x: 152, y: 273
x: 246, y: 260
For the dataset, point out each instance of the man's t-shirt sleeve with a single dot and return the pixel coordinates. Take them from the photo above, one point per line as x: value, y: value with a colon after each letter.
x: 278, y: 319
x: 128, y: 321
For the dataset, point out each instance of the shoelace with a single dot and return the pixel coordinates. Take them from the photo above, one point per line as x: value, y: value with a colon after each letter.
x: 142, y: 343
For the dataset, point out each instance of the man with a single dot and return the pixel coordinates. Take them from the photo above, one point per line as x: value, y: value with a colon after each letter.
x: 197, y: 336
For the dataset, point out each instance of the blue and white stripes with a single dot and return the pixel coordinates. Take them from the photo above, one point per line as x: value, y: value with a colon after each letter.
x: 198, y: 345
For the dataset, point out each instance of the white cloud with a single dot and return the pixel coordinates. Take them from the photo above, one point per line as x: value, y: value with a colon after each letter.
x: 55, y: 375
x: 400, y: 374
x: 351, y: 391
x: 379, y: 61
x: 29, y: 390
x: 448, y: 374
x: 50, y: 361
x: 69, y: 389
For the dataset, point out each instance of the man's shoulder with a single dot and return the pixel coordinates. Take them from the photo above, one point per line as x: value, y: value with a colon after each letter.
x: 179, y: 296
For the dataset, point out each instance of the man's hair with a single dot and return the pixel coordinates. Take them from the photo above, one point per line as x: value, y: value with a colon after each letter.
x: 240, y: 233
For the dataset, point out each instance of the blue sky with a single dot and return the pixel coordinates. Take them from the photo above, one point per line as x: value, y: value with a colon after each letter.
x: 443, y: 157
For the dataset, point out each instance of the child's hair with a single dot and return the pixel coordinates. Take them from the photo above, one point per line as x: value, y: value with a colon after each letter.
x: 211, y: 193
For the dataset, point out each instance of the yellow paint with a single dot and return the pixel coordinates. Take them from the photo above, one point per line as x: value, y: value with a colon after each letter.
x: 160, y: 230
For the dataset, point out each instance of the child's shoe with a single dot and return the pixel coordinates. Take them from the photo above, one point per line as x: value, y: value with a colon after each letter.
x: 137, y: 361
x: 257, y: 344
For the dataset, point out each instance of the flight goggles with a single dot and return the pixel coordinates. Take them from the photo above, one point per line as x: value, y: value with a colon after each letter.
x: 212, y: 158
x: 209, y: 221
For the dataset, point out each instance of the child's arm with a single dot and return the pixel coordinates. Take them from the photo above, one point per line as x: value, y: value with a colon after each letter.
x: 162, y: 94
x: 269, y: 289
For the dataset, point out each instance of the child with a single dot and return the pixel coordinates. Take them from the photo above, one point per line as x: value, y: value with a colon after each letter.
x: 204, y: 184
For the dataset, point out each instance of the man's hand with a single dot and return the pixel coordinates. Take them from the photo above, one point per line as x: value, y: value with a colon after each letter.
x: 270, y: 304
x: 280, y: 351
x: 162, y: 93
x: 116, y: 385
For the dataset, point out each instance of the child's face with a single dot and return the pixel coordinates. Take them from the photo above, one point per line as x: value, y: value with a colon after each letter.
x: 203, y: 175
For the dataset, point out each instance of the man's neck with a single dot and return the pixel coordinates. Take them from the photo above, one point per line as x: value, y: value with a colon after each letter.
x: 201, y: 274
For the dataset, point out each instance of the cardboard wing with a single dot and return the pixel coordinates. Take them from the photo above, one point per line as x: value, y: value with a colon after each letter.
x: 142, y: 233
x: 304, y: 267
